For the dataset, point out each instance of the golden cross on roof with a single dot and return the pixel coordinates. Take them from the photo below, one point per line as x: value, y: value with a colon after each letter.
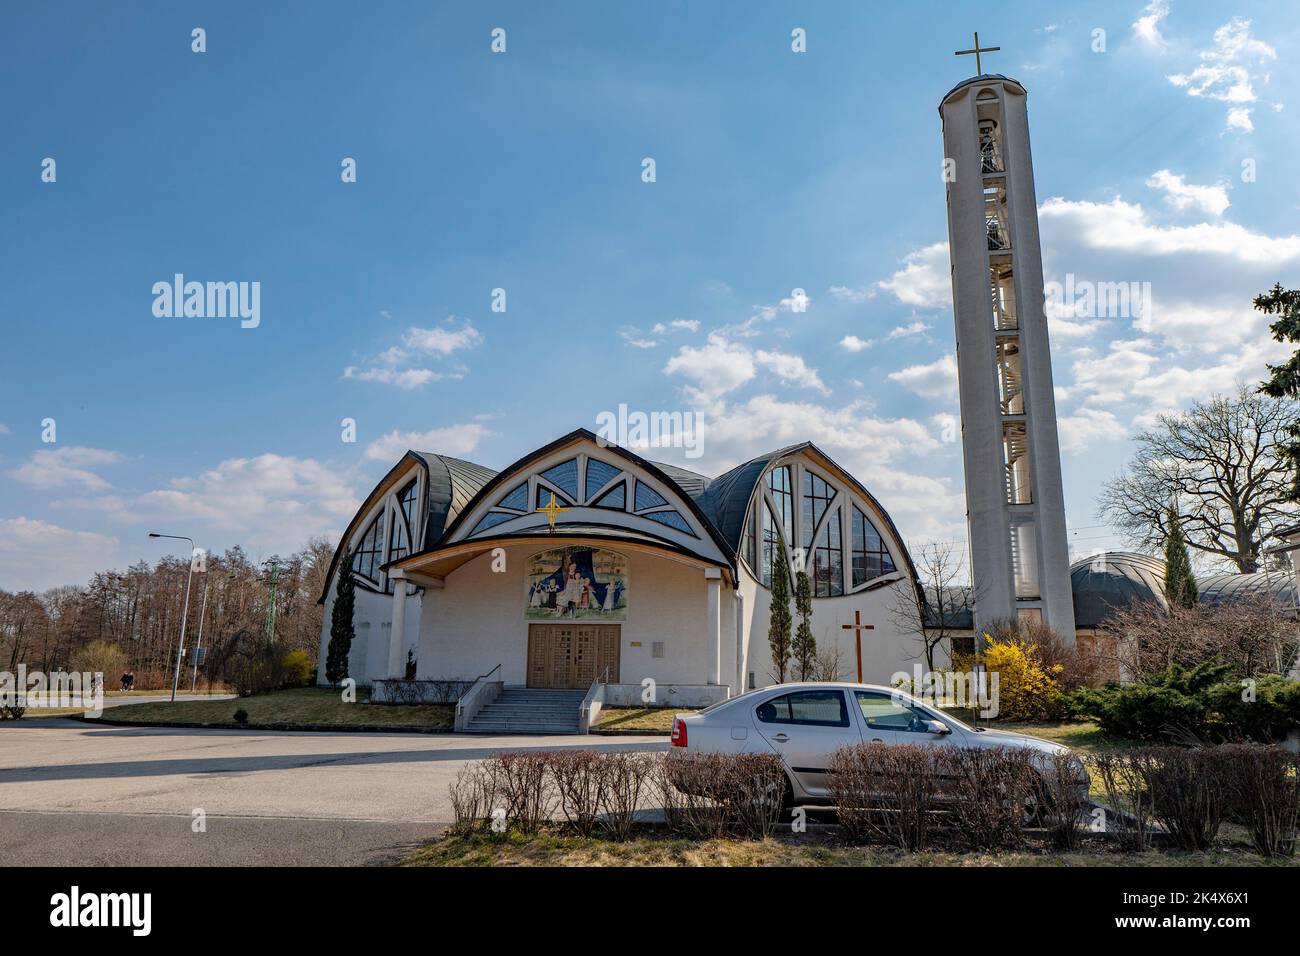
x: 551, y: 509
x: 979, y: 70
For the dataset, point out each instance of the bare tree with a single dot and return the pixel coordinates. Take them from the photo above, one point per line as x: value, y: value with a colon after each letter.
x: 1221, y: 465
x: 948, y: 599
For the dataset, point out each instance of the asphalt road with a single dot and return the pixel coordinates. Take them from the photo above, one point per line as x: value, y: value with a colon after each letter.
x: 77, y: 795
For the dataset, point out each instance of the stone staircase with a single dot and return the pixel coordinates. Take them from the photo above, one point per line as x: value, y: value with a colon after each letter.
x: 529, y: 710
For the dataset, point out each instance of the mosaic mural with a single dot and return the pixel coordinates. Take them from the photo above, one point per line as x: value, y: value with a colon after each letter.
x: 582, y: 583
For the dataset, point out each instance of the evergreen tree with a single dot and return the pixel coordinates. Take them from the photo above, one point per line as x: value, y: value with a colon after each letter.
x: 778, y: 625
x: 1180, y: 585
x: 804, y: 648
x: 342, y: 632
x: 1284, y: 380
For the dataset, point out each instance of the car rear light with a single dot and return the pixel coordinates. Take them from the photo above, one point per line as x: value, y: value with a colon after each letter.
x: 679, y: 733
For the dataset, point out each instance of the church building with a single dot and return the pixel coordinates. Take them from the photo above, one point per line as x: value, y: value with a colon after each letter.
x: 583, y: 562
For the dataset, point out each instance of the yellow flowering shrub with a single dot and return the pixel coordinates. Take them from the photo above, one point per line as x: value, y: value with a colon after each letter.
x: 1027, y: 688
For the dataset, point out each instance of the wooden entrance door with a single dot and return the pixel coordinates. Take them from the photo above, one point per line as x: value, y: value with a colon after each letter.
x: 572, y: 655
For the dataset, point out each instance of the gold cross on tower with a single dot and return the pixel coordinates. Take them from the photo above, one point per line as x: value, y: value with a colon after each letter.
x: 551, y: 509
x: 979, y: 70
x: 857, y: 627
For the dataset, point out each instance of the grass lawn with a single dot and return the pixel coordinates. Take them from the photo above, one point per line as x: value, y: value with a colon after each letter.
x: 299, y: 707
x: 641, y: 720
x: 807, y: 849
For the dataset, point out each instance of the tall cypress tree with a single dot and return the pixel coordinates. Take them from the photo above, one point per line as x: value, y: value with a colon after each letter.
x: 342, y: 631
x: 1180, y: 585
x: 778, y: 623
x: 804, y: 648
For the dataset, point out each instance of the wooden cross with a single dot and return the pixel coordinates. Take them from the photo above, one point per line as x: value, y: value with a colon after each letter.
x: 551, y: 509
x: 857, y: 627
x: 979, y: 70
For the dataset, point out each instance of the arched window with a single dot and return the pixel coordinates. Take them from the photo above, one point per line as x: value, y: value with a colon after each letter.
x: 828, y: 559
x: 817, y: 496
x: 870, y: 556
x: 407, y: 500
x: 370, y: 549
x: 779, y: 486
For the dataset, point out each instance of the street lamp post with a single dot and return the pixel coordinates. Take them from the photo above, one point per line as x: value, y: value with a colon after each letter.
x: 180, y: 645
x: 198, y: 647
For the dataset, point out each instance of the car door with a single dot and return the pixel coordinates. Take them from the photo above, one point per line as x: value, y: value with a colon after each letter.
x: 805, y: 727
x: 889, y: 719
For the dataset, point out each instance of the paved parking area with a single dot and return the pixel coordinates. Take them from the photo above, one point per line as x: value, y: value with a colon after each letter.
x: 74, y: 794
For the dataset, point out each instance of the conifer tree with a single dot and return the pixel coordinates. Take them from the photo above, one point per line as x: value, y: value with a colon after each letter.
x: 1180, y: 585
x: 804, y: 648
x: 778, y: 625
x: 342, y: 632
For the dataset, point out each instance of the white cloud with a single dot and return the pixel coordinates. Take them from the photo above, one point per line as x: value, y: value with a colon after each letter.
x: 676, y: 325
x: 842, y: 293
x: 714, y: 369
x: 908, y: 331
x: 65, y: 466
x: 452, y: 440
x: 1184, y: 195
x: 634, y: 338
x: 4, y: 429
x: 1079, y: 431
x: 1147, y: 27
x: 851, y: 343
x: 442, y: 340
x: 938, y: 379
x: 1125, y: 227
x: 35, y: 554
x: 791, y: 369
x: 1228, y: 71
x: 408, y: 379
x: 924, y: 279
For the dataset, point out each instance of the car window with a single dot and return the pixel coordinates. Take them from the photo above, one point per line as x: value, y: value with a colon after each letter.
x: 818, y: 708
x: 885, y: 712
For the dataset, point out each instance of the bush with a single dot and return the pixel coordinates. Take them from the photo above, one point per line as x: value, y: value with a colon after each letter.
x: 1127, y: 813
x: 523, y: 786
x: 1265, y: 794
x: 579, y: 780
x: 297, y: 668
x: 885, y: 793
x: 1062, y: 805
x: 241, y: 716
x: 1189, y: 792
x: 8, y: 712
x: 991, y: 788
x: 624, y: 776
x: 1027, y: 687
x: 1198, y: 704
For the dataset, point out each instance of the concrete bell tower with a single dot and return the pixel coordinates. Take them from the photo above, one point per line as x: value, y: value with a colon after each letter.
x: 1015, y: 507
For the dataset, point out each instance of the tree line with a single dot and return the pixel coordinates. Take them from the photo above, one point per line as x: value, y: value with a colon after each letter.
x: 132, y: 618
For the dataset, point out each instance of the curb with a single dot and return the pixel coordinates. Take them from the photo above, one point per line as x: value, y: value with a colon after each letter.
x: 300, y: 728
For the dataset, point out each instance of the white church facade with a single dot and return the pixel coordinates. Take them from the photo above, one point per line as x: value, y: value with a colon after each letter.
x: 583, y: 562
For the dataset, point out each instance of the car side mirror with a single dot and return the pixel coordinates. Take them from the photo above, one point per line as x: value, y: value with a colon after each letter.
x: 937, y: 727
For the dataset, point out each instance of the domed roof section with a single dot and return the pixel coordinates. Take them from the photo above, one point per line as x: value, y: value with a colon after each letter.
x: 1104, y: 582
x: 453, y: 483
x: 1222, y: 588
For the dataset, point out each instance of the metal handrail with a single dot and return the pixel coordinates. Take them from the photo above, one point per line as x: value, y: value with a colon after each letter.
x: 485, y: 676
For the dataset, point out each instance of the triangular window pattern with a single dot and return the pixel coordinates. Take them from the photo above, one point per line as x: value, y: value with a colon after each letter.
x: 491, y: 520
x: 565, y: 477
x: 672, y: 519
x: 544, y: 496
x: 647, y: 497
x: 517, y: 499
x: 370, y: 550
x: 870, y: 556
x: 599, y: 474
x: 615, y: 498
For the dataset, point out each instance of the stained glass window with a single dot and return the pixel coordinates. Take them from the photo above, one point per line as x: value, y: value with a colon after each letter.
x: 565, y: 477
x: 370, y: 550
x: 870, y: 556
x: 817, y: 495
x: 615, y: 498
x: 828, y: 559
x: 491, y: 520
x: 517, y: 499
x: 778, y: 483
x: 672, y: 519
x: 599, y: 474
x: 406, y: 498
x: 647, y: 497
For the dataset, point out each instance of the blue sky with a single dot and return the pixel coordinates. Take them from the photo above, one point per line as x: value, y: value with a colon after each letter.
x: 522, y: 171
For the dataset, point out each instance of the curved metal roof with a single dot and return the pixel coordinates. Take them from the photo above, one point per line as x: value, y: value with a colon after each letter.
x: 982, y: 78
x: 1103, y: 582
x: 453, y: 483
x: 1221, y: 588
x: 726, y: 499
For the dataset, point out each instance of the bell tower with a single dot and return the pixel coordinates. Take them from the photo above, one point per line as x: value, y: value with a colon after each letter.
x: 1015, y: 508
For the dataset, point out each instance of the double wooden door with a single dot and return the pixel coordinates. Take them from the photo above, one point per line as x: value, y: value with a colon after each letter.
x: 572, y: 655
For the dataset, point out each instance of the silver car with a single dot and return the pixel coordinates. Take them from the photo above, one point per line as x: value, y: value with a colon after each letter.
x: 806, y: 723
